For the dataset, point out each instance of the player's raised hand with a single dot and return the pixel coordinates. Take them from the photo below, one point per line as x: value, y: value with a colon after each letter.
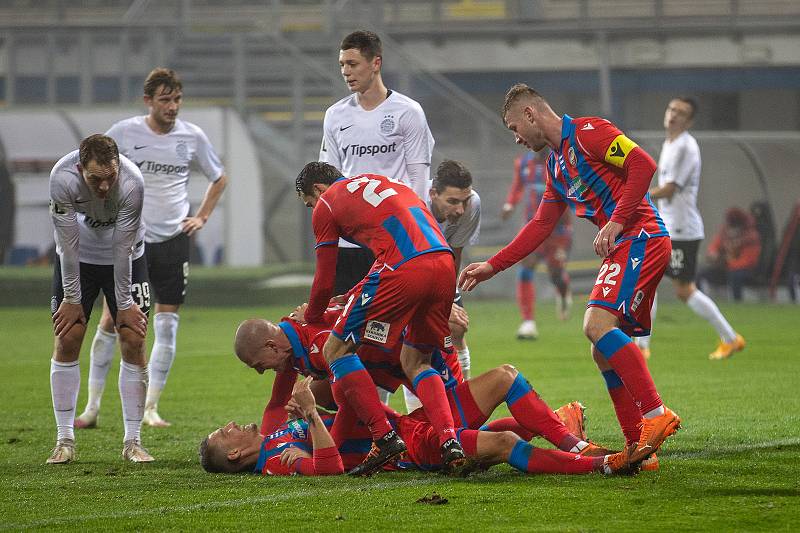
x: 67, y: 316
x: 299, y: 313
x: 304, y: 398
x: 473, y: 274
x: 604, y: 240
x: 133, y: 318
x: 192, y: 224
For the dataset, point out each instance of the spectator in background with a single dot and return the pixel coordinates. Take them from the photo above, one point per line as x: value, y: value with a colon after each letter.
x: 733, y: 252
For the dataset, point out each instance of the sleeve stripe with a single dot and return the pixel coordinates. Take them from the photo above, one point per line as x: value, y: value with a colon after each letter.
x: 325, y: 243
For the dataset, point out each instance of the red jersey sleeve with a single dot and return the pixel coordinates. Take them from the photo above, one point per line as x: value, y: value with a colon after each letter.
x: 515, y: 191
x: 533, y: 233
x: 607, y: 143
x: 274, y: 413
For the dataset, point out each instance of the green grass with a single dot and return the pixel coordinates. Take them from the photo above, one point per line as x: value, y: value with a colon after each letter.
x: 734, y: 466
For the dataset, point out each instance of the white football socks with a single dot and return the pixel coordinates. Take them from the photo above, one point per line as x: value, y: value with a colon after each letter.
x: 705, y: 307
x: 464, y: 361
x: 163, y: 354
x: 412, y: 402
x: 100, y: 357
x: 65, y: 382
x: 132, y: 390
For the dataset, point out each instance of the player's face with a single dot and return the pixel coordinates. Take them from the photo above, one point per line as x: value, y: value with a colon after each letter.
x: 359, y: 73
x: 521, y: 120
x: 100, y: 178
x: 233, y: 436
x: 164, y: 106
x: 450, y: 204
x: 269, y: 357
x: 310, y: 200
x: 678, y: 116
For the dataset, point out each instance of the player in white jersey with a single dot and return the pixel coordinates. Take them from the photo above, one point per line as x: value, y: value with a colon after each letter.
x: 163, y: 147
x: 678, y: 182
x: 96, y: 200
x: 457, y: 209
x: 374, y: 130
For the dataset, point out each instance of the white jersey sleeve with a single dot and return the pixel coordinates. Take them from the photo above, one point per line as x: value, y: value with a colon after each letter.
x: 465, y: 231
x: 65, y: 222
x: 126, y: 238
x: 206, y: 157
x: 329, y: 151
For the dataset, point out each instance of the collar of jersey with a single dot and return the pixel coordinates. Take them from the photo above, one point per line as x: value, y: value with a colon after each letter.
x: 340, y: 178
x: 566, y: 129
x: 299, y: 351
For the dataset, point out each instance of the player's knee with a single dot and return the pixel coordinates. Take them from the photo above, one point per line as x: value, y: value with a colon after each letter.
x: 505, y: 442
x: 684, y: 290
x: 506, y: 374
x: 131, y: 341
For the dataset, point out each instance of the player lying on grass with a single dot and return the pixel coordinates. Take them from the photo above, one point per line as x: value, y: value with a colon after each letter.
x: 291, y: 348
x: 304, y: 446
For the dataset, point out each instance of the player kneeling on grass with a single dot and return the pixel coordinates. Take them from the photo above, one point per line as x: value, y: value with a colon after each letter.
x: 304, y: 446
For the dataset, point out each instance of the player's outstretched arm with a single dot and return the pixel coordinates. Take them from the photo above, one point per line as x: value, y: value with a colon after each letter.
x: 473, y: 274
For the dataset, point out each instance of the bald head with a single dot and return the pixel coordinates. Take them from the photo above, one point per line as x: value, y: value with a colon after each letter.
x: 251, y: 337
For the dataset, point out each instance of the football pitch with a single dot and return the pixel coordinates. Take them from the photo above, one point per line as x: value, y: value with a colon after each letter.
x: 734, y: 467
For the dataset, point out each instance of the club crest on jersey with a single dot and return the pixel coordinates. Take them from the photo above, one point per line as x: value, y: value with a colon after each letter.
x: 573, y: 160
x: 377, y: 331
x: 181, y: 150
x: 387, y: 124
x: 637, y: 300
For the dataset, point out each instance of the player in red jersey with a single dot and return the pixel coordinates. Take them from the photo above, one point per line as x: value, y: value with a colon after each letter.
x: 529, y: 185
x: 304, y: 446
x: 410, y: 286
x: 603, y: 176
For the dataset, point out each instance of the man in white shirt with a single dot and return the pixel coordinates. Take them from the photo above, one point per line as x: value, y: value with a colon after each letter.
x: 163, y: 147
x: 457, y: 209
x: 96, y: 199
x: 374, y: 130
x: 678, y: 182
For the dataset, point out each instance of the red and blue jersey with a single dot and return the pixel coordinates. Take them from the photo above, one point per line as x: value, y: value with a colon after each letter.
x: 529, y: 184
x: 380, y: 214
x: 603, y: 176
x: 588, y: 173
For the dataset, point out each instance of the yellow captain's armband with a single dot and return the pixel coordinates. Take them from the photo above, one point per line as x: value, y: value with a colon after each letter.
x: 619, y: 149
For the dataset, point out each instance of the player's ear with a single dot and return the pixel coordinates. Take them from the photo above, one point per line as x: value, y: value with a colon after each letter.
x: 234, y: 455
x: 529, y: 113
x: 377, y: 62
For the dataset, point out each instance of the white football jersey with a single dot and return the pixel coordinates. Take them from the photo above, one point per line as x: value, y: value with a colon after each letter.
x: 97, y: 231
x: 679, y: 163
x: 381, y: 141
x: 465, y: 230
x: 164, y: 160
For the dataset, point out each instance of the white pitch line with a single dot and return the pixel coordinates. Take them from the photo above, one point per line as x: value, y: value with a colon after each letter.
x: 356, y: 487
x: 710, y: 452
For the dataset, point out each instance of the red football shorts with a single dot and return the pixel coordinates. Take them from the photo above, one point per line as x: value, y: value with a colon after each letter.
x: 417, y: 296
x: 627, y: 281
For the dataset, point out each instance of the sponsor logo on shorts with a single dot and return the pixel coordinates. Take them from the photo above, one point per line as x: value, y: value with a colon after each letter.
x: 365, y: 298
x: 637, y: 300
x: 53, y: 305
x: 606, y: 290
x: 448, y: 342
x: 377, y: 331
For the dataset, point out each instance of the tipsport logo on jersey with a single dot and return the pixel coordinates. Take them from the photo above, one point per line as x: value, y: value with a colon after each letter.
x: 361, y: 150
x: 154, y: 167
